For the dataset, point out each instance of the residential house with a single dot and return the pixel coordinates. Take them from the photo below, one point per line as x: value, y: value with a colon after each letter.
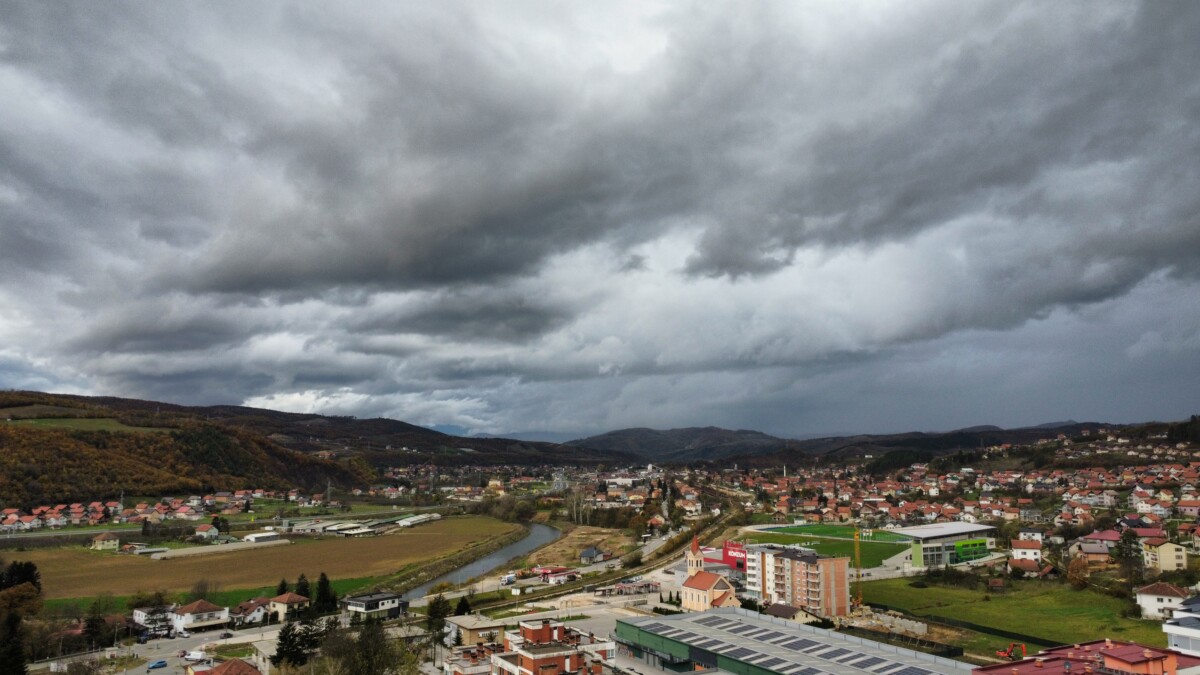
x: 475, y: 629
x: 1160, y: 555
x: 106, y: 541
x: 592, y: 555
x: 254, y: 610
x: 376, y: 605
x: 288, y: 606
x: 1027, y: 549
x: 1160, y: 600
x: 199, y: 615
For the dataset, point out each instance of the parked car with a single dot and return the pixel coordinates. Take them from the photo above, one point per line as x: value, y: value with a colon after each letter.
x: 154, y: 665
x: 143, y: 639
x: 226, y: 635
x: 183, y: 634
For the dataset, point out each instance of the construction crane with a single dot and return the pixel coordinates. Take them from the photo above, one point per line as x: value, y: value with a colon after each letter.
x: 858, y: 567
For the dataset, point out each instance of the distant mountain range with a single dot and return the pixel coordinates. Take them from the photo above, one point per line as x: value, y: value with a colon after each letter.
x: 686, y: 445
x: 63, y: 447
x: 756, y: 448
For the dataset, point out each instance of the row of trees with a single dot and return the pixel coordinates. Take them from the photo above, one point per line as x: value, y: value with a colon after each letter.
x: 328, y: 649
x: 325, y: 600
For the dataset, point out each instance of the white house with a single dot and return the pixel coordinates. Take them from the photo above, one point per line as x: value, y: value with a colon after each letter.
x: 381, y: 605
x: 1183, y: 628
x: 1160, y: 599
x: 1026, y: 549
x: 1030, y: 534
x: 198, y: 615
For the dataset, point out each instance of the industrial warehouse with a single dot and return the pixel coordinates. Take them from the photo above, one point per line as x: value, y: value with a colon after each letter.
x: 747, y: 643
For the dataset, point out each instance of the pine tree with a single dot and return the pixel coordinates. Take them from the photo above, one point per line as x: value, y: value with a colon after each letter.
x: 376, y: 654
x: 435, y: 618
x: 289, y: 648
x: 12, y: 645
x: 282, y: 587
x: 302, y: 587
x: 463, y: 607
x: 326, y: 600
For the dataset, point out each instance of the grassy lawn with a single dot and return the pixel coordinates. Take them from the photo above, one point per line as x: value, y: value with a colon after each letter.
x: 873, y: 553
x: 843, y: 531
x: 85, y: 424
x: 1050, y: 610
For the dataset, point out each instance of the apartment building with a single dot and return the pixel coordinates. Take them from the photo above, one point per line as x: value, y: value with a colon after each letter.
x: 799, y: 577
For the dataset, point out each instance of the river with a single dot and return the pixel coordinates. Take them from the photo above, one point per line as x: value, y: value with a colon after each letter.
x: 539, y: 535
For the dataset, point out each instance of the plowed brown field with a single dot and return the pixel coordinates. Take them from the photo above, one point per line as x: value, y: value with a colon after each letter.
x: 78, y: 572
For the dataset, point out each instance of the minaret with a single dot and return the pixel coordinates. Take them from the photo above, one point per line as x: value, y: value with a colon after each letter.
x: 695, y: 559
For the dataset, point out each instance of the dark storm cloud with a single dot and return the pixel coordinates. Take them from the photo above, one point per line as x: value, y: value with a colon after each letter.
x: 509, y: 215
x: 463, y: 314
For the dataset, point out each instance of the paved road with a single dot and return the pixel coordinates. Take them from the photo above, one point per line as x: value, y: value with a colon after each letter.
x: 169, y: 649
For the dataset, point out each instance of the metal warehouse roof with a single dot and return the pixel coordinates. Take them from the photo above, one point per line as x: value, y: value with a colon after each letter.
x: 791, y: 648
x: 939, y: 530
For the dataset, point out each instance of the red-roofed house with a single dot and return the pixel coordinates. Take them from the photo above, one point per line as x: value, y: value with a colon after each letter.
x: 1023, y: 549
x: 1160, y: 600
x: 199, y: 614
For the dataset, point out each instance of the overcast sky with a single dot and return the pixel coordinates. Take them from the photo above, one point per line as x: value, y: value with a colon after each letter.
x: 797, y: 217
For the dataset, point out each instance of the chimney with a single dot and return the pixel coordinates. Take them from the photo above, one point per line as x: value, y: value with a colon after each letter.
x: 1108, y: 643
x: 1039, y: 663
x: 1147, y: 653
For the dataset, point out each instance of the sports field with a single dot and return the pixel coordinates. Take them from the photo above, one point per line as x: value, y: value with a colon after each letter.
x: 79, y: 572
x: 843, y: 531
x: 873, y: 552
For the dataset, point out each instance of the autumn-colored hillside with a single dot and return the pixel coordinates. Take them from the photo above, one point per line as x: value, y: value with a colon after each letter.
x: 41, y: 466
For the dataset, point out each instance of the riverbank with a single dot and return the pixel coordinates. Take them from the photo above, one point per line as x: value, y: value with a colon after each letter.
x: 413, y: 576
x: 538, y: 536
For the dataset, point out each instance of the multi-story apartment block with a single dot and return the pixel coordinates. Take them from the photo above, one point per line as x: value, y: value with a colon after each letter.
x: 800, y: 578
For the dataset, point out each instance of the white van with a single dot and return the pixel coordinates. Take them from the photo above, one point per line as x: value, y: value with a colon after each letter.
x: 195, y: 656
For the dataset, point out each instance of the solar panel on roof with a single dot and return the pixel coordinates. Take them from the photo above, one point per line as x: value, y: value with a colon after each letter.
x: 770, y: 635
x: 809, y: 671
x: 886, y: 665
x: 848, y: 657
x: 709, y: 620
x: 685, y: 635
x: 912, y: 670
x: 833, y: 654
x: 740, y: 653
x: 740, y: 629
x: 655, y: 627
x: 871, y: 661
x: 799, y: 644
x: 770, y: 663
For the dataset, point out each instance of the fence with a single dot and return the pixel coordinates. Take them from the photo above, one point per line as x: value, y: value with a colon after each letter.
x: 920, y: 644
x: 957, y: 623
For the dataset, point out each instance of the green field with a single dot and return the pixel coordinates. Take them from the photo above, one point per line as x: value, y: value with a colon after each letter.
x: 842, y: 531
x: 85, y: 424
x: 873, y: 553
x: 1053, y: 611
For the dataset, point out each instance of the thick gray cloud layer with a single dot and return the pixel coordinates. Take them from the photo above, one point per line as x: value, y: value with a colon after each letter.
x: 794, y: 217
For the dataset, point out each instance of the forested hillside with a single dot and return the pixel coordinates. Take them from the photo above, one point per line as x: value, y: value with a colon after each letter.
x: 40, y: 466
